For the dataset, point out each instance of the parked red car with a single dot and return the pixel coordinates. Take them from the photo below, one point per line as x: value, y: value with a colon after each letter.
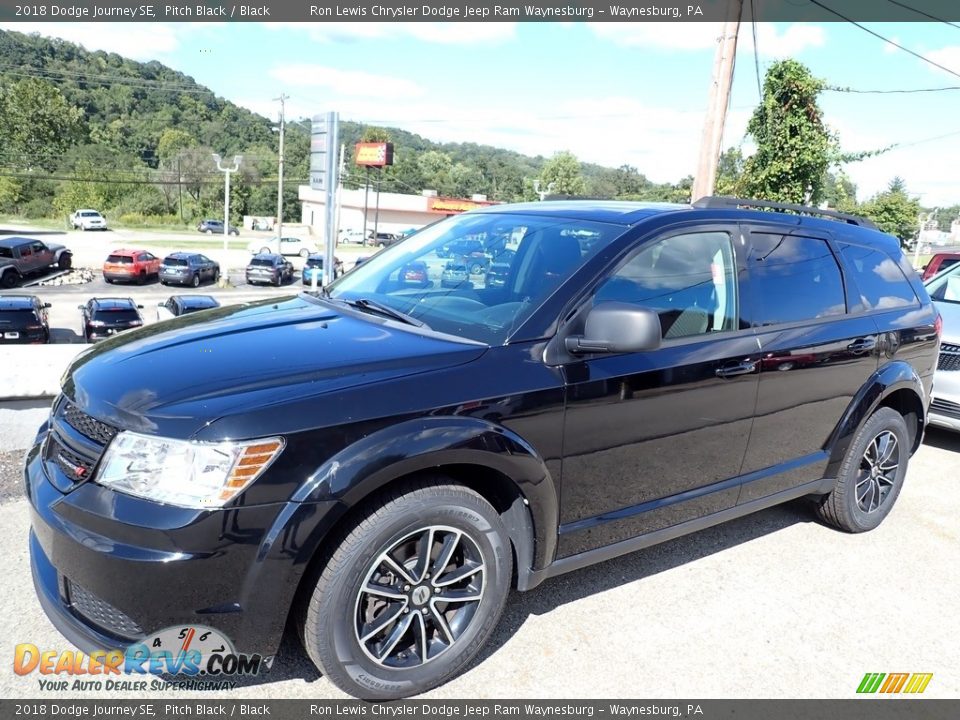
x: 130, y: 265
x: 939, y: 263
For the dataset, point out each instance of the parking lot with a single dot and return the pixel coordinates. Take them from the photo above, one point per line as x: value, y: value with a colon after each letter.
x: 773, y: 605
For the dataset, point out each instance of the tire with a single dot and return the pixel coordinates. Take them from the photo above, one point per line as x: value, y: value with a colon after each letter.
x: 264, y: 249
x: 195, y: 282
x: 65, y: 262
x: 862, y: 498
x: 208, y: 231
x: 163, y: 282
x: 141, y: 278
x: 108, y: 281
x: 216, y: 275
x: 304, y: 253
x: 476, y: 269
x: 8, y: 279
x: 331, y: 619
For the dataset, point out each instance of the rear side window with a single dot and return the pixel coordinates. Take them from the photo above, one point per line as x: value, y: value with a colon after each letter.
x: 879, y: 279
x: 794, y: 278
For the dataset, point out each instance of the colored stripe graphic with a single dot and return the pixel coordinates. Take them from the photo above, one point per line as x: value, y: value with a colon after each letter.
x: 870, y: 682
x: 894, y: 683
x: 918, y: 682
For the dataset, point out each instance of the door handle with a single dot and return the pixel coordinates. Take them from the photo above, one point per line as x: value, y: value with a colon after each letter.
x: 863, y: 344
x: 734, y: 369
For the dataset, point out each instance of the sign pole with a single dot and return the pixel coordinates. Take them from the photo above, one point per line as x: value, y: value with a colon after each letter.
x: 330, y: 204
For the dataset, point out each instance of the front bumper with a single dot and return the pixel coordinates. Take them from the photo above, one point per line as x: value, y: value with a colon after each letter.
x: 945, y: 406
x: 110, y: 569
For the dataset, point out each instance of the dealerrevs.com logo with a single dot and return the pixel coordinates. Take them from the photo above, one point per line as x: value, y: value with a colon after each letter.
x: 195, y: 656
x: 894, y: 683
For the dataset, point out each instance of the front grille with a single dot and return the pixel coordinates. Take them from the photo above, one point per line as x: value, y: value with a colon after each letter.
x: 945, y: 407
x: 75, y: 467
x: 88, y: 426
x: 102, y: 614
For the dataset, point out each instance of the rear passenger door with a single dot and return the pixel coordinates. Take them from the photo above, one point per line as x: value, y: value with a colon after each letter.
x: 815, y: 354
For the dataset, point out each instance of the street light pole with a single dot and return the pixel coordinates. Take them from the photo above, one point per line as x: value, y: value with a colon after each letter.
x: 282, y: 100
x: 227, y: 171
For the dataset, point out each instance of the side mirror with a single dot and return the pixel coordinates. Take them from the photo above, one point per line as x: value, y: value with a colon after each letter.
x: 79, y: 307
x: 139, y: 307
x: 46, y: 305
x: 616, y: 327
x: 161, y: 304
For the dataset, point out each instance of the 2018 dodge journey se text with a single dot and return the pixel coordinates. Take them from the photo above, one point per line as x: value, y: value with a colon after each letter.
x: 380, y: 463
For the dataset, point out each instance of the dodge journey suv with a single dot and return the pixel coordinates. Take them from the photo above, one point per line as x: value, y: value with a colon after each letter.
x: 379, y: 463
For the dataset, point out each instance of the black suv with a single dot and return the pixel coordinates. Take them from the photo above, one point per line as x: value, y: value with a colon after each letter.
x: 23, y: 319
x: 379, y: 464
x: 104, y: 317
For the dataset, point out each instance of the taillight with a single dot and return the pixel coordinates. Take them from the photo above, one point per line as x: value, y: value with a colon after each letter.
x: 34, y: 327
x: 938, y: 325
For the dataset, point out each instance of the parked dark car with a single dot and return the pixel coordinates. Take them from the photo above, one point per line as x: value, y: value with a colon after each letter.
x: 314, y: 267
x: 455, y: 275
x: 385, y: 239
x: 177, y: 305
x: 378, y: 466
x: 22, y: 258
x: 940, y: 262
x: 944, y: 290
x: 191, y: 269
x: 130, y: 266
x: 23, y: 319
x: 497, y: 275
x: 267, y: 268
x: 215, y: 227
x: 461, y: 247
x: 104, y: 317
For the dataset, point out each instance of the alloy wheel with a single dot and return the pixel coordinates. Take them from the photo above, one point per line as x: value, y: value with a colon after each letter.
x: 878, y: 471
x: 419, y: 597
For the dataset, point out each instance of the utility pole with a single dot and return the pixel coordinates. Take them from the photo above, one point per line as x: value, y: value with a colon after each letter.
x: 237, y: 159
x: 724, y: 60
x: 283, y: 98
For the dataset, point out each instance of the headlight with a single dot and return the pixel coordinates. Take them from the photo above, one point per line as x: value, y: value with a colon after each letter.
x: 187, y: 474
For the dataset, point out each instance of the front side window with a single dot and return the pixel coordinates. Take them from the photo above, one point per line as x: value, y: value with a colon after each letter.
x: 689, y: 280
x: 879, y: 279
x: 406, y: 277
x: 794, y: 278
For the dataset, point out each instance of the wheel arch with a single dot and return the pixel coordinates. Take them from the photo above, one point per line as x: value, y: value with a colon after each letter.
x: 896, y: 385
x: 489, y: 459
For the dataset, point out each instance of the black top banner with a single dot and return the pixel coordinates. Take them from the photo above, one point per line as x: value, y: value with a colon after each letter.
x: 319, y: 11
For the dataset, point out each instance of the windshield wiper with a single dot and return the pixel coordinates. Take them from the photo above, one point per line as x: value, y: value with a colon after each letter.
x: 373, y: 305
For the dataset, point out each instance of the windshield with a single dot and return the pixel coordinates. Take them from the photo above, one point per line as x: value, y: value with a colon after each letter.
x: 116, y: 314
x: 314, y: 262
x: 945, y: 287
x: 90, y: 214
x: 537, y: 254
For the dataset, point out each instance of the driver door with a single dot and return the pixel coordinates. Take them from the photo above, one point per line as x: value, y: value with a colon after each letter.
x: 652, y: 439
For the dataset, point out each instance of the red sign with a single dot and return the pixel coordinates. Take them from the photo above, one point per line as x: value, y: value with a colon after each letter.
x: 374, y: 154
x: 453, y: 205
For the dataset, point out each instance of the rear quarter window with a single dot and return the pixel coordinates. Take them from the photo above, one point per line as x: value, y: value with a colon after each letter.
x: 880, y: 282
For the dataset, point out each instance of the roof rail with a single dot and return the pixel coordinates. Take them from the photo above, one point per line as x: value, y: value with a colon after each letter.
x: 723, y: 201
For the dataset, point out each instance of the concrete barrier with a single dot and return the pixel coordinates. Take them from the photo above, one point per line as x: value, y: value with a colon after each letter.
x: 34, y: 371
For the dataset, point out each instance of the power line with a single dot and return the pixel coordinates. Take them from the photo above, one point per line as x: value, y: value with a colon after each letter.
x: 886, y: 40
x: 835, y: 88
x: 925, y: 14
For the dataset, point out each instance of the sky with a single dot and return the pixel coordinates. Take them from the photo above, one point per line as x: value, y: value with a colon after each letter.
x: 612, y: 93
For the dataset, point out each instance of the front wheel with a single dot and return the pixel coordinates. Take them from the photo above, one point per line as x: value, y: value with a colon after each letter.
x: 871, y: 474
x: 65, y: 262
x: 411, y: 594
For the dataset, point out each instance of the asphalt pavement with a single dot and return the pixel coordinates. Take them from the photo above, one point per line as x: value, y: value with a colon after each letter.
x: 770, y: 606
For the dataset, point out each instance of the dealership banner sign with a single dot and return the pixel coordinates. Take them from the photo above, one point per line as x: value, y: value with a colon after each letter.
x: 478, y: 10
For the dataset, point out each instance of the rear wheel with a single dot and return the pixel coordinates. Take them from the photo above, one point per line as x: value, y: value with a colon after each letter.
x: 8, y: 279
x: 196, y: 280
x: 141, y: 278
x: 208, y: 231
x: 871, y: 474
x: 65, y: 262
x: 411, y: 594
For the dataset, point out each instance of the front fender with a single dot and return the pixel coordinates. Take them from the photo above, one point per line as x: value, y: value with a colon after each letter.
x: 426, y: 443
x: 884, y: 382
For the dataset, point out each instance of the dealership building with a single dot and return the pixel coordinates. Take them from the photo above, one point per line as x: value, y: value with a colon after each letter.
x: 397, y: 212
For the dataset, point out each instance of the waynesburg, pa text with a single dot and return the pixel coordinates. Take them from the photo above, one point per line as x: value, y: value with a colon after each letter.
x: 527, y: 12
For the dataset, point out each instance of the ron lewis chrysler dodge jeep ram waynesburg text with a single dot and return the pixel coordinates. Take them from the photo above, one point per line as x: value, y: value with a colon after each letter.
x: 379, y: 462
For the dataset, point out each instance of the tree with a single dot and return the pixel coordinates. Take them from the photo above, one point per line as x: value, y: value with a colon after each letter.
x: 37, y: 124
x: 794, y: 146
x: 840, y: 192
x: 563, y: 173
x: 894, y: 211
x: 729, y: 171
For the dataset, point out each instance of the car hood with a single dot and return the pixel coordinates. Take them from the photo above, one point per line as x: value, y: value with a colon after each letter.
x: 950, y: 312
x: 177, y: 377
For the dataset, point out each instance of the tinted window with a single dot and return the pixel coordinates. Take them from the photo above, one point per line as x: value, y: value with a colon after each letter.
x: 263, y: 262
x: 120, y: 259
x: 878, y: 278
x: 18, y: 317
x: 6, y: 252
x: 175, y: 262
x: 794, y: 278
x: 688, y: 279
x: 115, y: 314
